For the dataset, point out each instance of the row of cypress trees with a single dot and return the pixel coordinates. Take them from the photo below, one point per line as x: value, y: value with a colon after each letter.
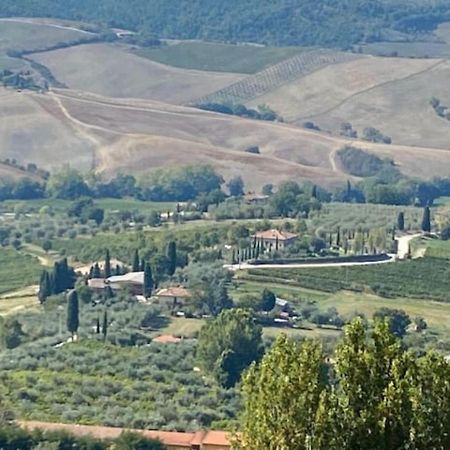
x: 61, y: 278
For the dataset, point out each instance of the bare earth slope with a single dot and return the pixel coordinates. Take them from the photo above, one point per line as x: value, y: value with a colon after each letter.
x: 138, y: 136
x: 110, y: 70
x: 392, y: 94
x: 401, y: 109
x: 30, y: 133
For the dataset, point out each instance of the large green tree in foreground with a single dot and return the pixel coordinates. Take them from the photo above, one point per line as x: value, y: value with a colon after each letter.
x: 372, y: 395
x: 228, y: 344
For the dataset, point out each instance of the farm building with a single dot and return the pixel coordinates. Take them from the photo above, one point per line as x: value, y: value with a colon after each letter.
x: 275, y: 238
x: 174, y: 295
x: 256, y: 199
x: 133, y: 281
x: 200, y: 440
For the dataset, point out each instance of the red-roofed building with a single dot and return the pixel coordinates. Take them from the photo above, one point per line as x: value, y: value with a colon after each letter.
x: 275, y: 238
x: 201, y: 440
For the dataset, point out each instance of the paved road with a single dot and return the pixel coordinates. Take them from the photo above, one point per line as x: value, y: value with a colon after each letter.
x: 402, y: 253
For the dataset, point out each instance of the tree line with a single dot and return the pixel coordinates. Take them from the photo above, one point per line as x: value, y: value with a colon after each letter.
x: 203, y: 186
x: 274, y: 22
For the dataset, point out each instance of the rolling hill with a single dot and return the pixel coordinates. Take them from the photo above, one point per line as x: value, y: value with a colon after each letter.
x: 113, y: 71
x: 124, y: 112
x: 138, y: 136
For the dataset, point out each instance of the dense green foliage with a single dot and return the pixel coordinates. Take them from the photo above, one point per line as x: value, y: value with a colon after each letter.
x: 13, y: 438
x: 229, y: 344
x: 280, y: 22
x: 374, y: 396
x: 185, y: 183
x: 360, y: 163
x: 61, y: 278
x: 262, y: 112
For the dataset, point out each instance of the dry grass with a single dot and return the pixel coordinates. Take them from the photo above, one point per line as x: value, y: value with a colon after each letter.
x: 329, y: 87
x: 401, y: 109
x: 139, y: 135
x: 113, y: 71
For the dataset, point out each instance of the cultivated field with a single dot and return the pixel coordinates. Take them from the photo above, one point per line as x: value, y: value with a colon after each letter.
x: 328, y: 87
x: 277, y: 75
x: 217, y: 57
x: 23, y: 34
x: 401, y: 109
x: 112, y: 70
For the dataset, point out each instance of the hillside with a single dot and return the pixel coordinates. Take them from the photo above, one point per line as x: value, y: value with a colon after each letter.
x: 111, y: 70
x: 277, y: 22
x: 138, y: 136
x: 391, y: 94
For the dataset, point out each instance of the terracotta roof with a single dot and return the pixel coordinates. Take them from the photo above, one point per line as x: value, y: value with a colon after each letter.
x: 167, y: 339
x: 174, y: 292
x: 216, y: 438
x: 274, y: 234
x: 169, y: 438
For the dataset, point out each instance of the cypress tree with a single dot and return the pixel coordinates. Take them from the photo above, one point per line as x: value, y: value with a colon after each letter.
x: 314, y: 192
x: 91, y: 273
x: 57, y: 278
x: 51, y: 284
x: 338, y: 237
x: 148, y: 281
x: 233, y: 256
x: 276, y: 243
x: 117, y: 271
x: 171, y: 257
x: 96, y: 272
x: 136, y: 262
x: 108, y: 292
x: 401, y: 221
x: 107, y: 264
x: 105, y: 325
x: 44, y: 287
x: 426, y: 220
x: 73, y: 320
x: 97, y: 326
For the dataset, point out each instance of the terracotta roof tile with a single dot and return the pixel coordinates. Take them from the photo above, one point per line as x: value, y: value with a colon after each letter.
x: 169, y: 438
x: 274, y: 234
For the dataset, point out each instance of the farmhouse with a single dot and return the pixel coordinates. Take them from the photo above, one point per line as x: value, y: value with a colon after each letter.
x: 174, y: 295
x: 275, y: 238
x: 200, y: 440
x: 133, y: 281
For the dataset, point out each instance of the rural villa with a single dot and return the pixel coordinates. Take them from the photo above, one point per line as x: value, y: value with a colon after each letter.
x: 133, y: 281
x: 174, y: 295
x: 275, y: 238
